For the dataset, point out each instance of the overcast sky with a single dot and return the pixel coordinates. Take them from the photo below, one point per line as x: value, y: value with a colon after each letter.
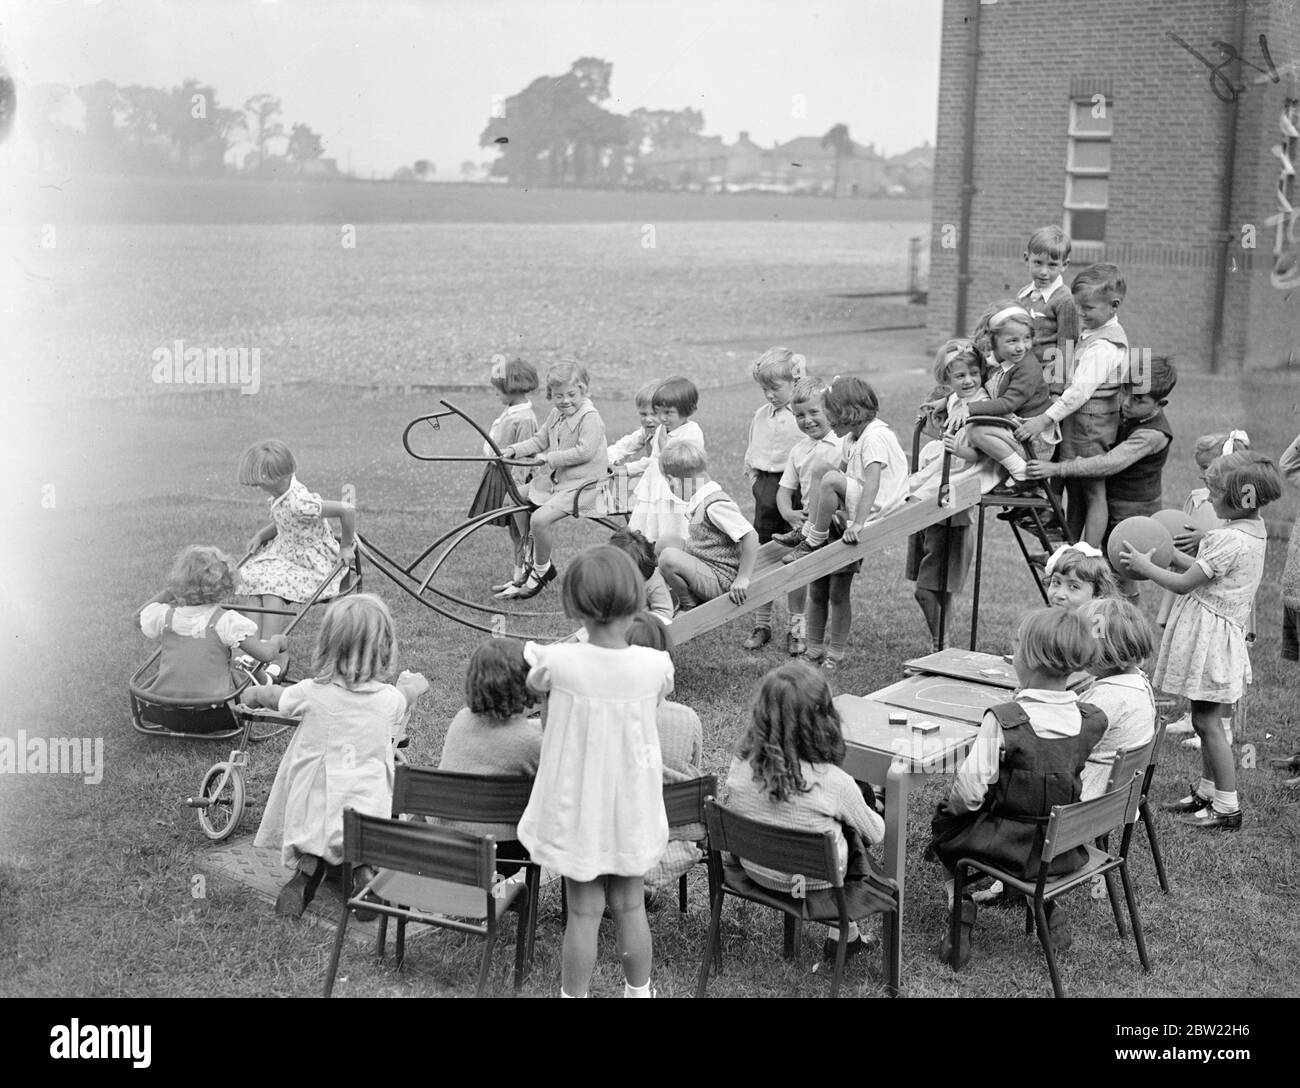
x: 386, y: 83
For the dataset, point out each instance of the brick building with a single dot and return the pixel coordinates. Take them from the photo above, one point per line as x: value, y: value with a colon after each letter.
x: 1093, y: 116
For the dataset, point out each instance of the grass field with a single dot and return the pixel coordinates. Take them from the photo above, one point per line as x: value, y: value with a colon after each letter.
x: 96, y: 880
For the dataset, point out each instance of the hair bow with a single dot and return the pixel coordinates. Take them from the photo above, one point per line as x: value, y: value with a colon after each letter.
x: 1083, y: 548
x: 1235, y: 439
x: 798, y: 367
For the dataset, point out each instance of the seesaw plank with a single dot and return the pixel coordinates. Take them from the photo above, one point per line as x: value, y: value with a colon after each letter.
x: 773, y: 579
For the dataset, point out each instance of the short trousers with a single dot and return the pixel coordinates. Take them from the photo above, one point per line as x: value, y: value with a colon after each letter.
x: 1290, y: 633
x: 1085, y: 434
x: 925, y: 557
x: 702, y: 580
x: 767, y: 517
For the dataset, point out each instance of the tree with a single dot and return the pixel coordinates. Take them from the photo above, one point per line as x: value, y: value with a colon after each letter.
x: 468, y: 171
x: 45, y: 109
x: 424, y: 169
x: 149, y: 123
x: 105, y: 113
x: 837, y: 140
x: 262, y: 111
x: 654, y: 130
x: 304, y: 146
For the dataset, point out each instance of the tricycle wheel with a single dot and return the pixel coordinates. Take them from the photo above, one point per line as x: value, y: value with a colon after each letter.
x: 223, y: 790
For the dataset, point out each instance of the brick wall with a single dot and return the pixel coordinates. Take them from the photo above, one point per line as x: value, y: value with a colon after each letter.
x: 1168, y: 160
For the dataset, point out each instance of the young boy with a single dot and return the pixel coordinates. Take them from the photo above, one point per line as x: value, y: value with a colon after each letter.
x: 1133, y: 467
x: 1049, y: 303
x: 718, y: 555
x: 818, y: 446
x: 1088, y: 410
x: 772, y: 434
x: 635, y: 446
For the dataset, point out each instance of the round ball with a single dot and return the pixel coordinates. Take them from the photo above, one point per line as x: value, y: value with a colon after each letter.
x: 1143, y: 534
x: 1176, y: 521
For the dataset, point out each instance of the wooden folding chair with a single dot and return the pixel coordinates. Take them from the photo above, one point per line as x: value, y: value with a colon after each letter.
x: 433, y: 875
x: 1080, y: 824
x: 469, y: 799
x: 684, y: 803
x: 1140, y: 761
x: 811, y: 854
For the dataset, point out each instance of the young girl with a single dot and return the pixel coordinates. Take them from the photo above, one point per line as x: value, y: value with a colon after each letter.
x: 1121, y: 690
x: 513, y: 381
x: 572, y: 447
x: 1076, y: 574
x: 197, y: 634
x: 492, y: 734
x: 341, y: 756
x: 656, y: 511
x: 294, y: 554
x: 1028, y: 757
x: 1015, y: 388
x: 596, y: 815
x: 872, y: 481
x: 1203, y: 653
x: 786, y: 771
x: 659, y: 599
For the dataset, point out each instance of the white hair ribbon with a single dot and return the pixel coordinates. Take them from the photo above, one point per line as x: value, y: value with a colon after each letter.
x: 1010, y: 311
x: 1083, y: 548
x: 798, y: 366
x: 1235, y: 439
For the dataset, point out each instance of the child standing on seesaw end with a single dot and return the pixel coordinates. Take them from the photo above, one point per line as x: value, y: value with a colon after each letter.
x: 1088, y: 410
x: 571, y: 443
x: 1134, y: 467
x: 297, y: 551
x: 1049, y: 302
x: 872, y: 478
x: 1029, y: 756
x: 1077, y: 574
x: 513, y: 381
x: 596, y: 814
x: 819, y: 447
x: 1203, y: 654
x: 636, y: 446
x: 196, y: 633
x: 960, y: 369
x: 718, y: 554
x: 773, y: 433
x: 786, y: 771
x: 656, y: 511
x: 1121, y: 691
x: 341, y: 756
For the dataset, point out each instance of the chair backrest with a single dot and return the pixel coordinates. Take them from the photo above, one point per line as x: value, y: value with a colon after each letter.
x: 449, y: 795
x: 440, y: 853
x: 1154, y: 761
x: 811, y: 854
x: 684, y: 801
x: 1127, y: 763
x: 1086, y: 821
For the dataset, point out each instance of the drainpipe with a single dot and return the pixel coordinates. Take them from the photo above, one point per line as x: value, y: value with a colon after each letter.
x: 1227, y: 235
x: 967, y: 165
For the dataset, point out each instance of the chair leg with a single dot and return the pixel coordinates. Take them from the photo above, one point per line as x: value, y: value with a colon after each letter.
x: 400, y: 953
x: 1045, y: 939
x: 485, y: 968
x: 954, y: 912
x: 841, y: 944
x: 681, y: 894
x: 1131, y: 897
x: 1145, y: 813
x: 712, y: 947
x: 792, y: 935
x: 338, y: 950
x: 521, y: 937
x: 381, y: 938
x: 893, y: 951
x: 1112, y: 893
x: 534, y: 893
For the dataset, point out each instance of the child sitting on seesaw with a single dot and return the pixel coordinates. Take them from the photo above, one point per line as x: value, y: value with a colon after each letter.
x: 718, y: 555
x: 1028, y: 757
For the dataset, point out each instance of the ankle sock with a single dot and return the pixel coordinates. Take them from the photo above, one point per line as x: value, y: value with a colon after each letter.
x: 1225, y: 801
x: 798, y: 625
x: 563, y: 994
x: 833, y: 933
x: 1015, y: 466
x: 637, y: 991
x: 1205, y: 790
x: 816, y: 536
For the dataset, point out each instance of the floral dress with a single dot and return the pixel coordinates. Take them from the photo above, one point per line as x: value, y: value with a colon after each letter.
x: 303, y: 551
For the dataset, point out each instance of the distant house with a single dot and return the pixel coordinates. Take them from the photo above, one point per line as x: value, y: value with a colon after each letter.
x: 803, y: 163
x: 746, y: 161
x: 690, y: 163
x: 912, y: 170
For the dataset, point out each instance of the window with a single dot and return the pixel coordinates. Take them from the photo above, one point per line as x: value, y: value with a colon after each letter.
x: 1087, y: 169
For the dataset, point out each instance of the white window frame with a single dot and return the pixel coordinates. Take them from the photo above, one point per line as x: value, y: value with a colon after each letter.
x: 1077, y: 136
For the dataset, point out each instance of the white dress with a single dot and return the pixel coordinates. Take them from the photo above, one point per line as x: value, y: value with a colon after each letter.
x: 656, y: 511
x: 597, y: 804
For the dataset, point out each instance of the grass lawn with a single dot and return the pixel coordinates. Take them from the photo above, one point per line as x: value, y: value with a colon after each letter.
x: 97, y: 880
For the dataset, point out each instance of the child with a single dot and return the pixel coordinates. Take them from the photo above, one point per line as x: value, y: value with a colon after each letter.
x: 341, y: 756
x: 1134, y: 467
x: 659, y: 600
x: 772, y: 434
x: 295, y: 553
x: 196, y: 632
x: 960, y: 368
x: 1048, y: 300
x: 513, y: 381
x: 1029, y: 756
x: 1203, y: 654
x: 786, y: 771
x: 818, y: 447
x: 656, y: 512
x: 638, y: 445
x: 1004, y: 335
x: 1077, y: 574
x: 681, y: 743
x: 1290, y: 466
x: 1121, y: 690
x: 1088, y: 410
x: 596, y: 815
x: 492, y: 734
x: 721, y: 547
x: 872, y: 478
x: 572, y: 447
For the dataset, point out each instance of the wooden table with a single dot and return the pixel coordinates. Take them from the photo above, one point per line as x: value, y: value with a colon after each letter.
x: 895, y: 757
